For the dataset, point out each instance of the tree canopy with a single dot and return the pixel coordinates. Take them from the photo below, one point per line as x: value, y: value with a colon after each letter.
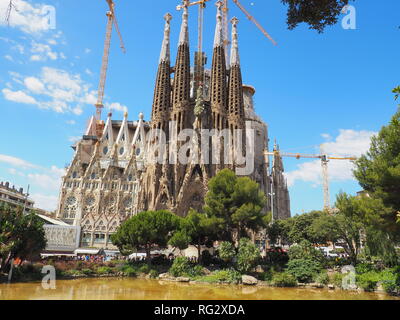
x: 146, y: 230
x: 237, y: 202
x: 378, y: 171
x: 316, y: 13
x: 21, y: 236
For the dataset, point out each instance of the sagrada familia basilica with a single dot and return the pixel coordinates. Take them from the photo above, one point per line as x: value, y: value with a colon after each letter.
x: 113, y: 174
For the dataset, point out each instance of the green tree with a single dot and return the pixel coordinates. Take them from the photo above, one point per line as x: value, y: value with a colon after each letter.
x: 279, y: 230
x: 301, y: 228
x: 316, y: 13
x: 378, y: 171
x: 21, y: 236
x: 146, y: 230
x: 248, y: 255
x: 305, y: 250
x: 237, y: 202
x: 199, y: 230
x: 180, y: 240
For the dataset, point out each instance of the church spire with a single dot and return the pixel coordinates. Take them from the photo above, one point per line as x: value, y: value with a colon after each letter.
x: 235, y: 100
x: 219, y: 38
x: 184, y: 35
x: 218, y: 75
x: 165, y: 48
x: 235, y: 59
x: 162, y: 91
x: 181, y: 92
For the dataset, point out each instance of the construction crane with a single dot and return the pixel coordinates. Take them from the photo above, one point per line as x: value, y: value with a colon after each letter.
x: 10, y: 6
x: 252, y: 19
x: 111, y: 21
x: 324, y: 165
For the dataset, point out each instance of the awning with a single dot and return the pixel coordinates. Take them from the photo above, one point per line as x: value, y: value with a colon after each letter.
x: 46, y: 255
x: 88, y: 251
x: 111, y: 252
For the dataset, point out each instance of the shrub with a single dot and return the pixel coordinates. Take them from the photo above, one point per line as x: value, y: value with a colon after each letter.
x: 153, y: 273
x: 226, y: 251
x: 284, y: 279
x: 183, y: 268
x: 322, y: 278
x: 248, y: 255
x: 364, y: 268
x: 265, y: 276
x: 304, y: 270
x: 337, y: 279
x: 129, y: 271
x: 104, y: 270
x: 277, y: 258
x: 368, y: 280
x: 144, y: 268
x: 224, y: 275
x: 87, y: 271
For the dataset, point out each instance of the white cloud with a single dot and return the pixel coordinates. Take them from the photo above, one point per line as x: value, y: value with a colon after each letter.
x: 53, y: 89
x: 34, y: 85
x: 14, y: 171
x: 29, y: 18
x: 117, y: 106
x: 87, y: 50
x: 44, y: 182
x: 46, y: 202
x: 42, y: 52
x: 18, y: 96
x: 71, y: 122
x: 349, y: 143
x: 8, y: 57
x: 326, y: 136
x: 16, y: 162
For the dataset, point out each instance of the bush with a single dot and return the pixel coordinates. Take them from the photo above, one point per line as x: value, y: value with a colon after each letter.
x: 104, y: 270
x: 304, y: 270
x: 284, y: 279
x: 248, y: 255
x: 87, y: 271
x: 224, y: 275
x: 322, y: 278
x: 277, y: 258
x: 129, y: 271
x: 226, y: 251
x: 144, y: 269
x: 265, y: 276
x: 153, y: 274
x: 337, y: 279
x: 364, y: 268
x: 182, y: 267
x: 368, y: 280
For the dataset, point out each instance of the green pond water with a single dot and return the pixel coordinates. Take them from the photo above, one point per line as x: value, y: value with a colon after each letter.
x: 142, y: 289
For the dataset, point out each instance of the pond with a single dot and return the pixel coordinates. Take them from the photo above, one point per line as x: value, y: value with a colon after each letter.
x: 143, y: 289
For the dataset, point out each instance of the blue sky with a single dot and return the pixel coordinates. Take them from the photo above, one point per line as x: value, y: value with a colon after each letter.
x: 332, y: 88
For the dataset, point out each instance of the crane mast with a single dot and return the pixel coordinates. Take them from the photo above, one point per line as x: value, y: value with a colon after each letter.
x: 111, y: 21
